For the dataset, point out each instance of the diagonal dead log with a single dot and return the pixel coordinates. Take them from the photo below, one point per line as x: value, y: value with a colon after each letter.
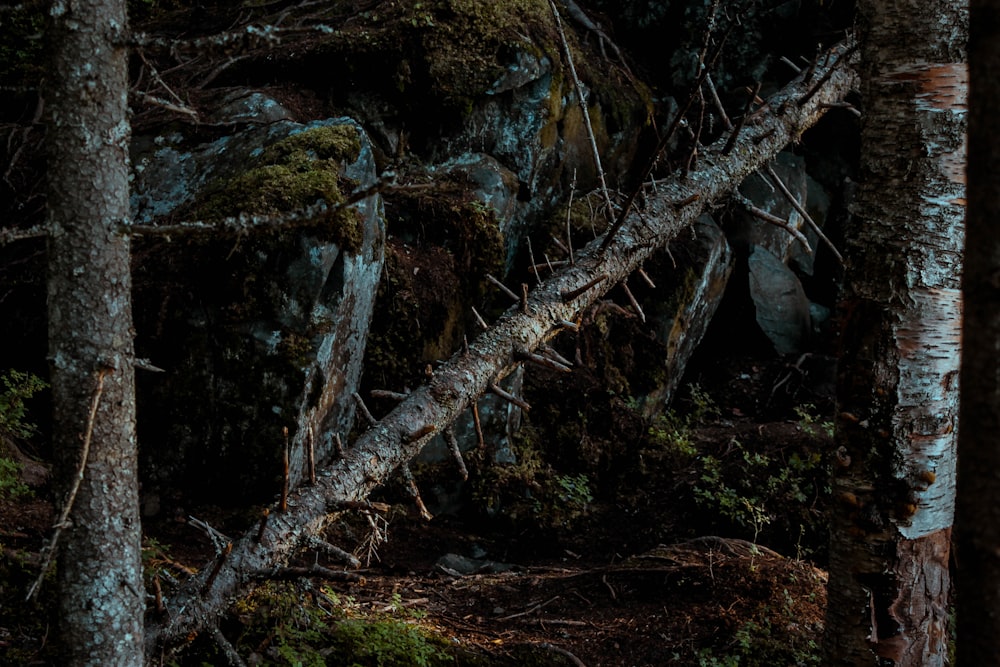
x: 457, y: 384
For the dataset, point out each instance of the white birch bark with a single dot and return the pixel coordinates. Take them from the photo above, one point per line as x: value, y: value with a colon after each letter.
x: 898, y: 381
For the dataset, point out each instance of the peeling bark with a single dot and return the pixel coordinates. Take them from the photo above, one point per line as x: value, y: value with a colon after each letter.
x: 898, y: 378
x: 101, y: 595
x: 457, y: 384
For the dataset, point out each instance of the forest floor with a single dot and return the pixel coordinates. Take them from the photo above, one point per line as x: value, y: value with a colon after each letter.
x: 709, y: 558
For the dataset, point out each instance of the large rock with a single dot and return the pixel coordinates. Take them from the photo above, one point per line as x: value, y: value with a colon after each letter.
x: 781, y: 304
x: 447, y: 81
x: 258, y: 332
x: 696, y: 286
x: 747, y: 231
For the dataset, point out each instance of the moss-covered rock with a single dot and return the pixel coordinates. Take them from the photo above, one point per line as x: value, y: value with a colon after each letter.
x: 291, y: 174
x: 448, y: 80
x: 263, y: 333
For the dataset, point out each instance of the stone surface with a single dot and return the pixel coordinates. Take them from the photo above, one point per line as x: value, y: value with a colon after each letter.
x: 260, y: 332
x: 696, y: 286
x: 781, y: 303
x: 746, y: 230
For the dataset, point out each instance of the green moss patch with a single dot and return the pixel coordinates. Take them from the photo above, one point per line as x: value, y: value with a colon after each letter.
x: 289, y: 175
x: 292, y: 624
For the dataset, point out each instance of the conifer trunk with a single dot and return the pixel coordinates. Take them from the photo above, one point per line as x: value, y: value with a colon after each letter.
x: 101, y: 596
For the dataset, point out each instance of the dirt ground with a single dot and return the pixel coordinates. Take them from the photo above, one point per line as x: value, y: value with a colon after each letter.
x: 644, y: 575
x: 679, y: 604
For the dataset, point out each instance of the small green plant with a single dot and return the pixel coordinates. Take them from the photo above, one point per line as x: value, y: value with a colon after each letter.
x: 671, y: 432
x: 10, y: 480
x: 704, y: 409
x: 561, y: 499
x: 767, y: 640
x: 532, y: 491
x: 811, y: 424
x: 575, y: 490
x: 740, y: 503
x: 759, y: 645
x: 753, y: 490
x: 17, y: 388
x: 707, y: 659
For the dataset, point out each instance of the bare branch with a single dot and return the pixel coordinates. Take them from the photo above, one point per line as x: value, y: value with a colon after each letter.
x: 805, y: 215
x: 761, y: 214
x: 11, y: 235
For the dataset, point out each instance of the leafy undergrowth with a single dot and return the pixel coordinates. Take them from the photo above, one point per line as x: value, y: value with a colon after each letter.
x: 689, y: 541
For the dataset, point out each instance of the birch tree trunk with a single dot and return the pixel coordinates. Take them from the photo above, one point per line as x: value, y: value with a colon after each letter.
x: 898, y: 380
x: 978, y: 514
x: 101, y: 596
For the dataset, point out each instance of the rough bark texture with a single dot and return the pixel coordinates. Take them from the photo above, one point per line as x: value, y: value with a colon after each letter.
x: 466, y: 376
x: 978, y: 512
x: 101, y: 593
x: 897, y: 385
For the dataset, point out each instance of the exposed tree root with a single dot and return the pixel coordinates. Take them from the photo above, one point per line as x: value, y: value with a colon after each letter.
x: 457, y: 384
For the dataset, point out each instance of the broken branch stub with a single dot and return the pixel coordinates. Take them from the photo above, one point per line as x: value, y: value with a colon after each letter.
x: 457, y: 384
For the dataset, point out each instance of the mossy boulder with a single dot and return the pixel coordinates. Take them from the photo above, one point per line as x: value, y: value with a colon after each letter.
x: 440, y: 81
x: 259, y: 331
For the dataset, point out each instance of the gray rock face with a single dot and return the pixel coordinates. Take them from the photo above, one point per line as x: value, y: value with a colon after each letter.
x: 781, y: 308
x: 749, y: 231
x: 530, y: 123
x: 781, y: 303
x: 680, y: 321
x: 260, y: 332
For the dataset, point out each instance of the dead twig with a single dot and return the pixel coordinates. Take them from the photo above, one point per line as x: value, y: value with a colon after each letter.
x: 582, y: 99
x: 530, y: 610
x: 773, y: 220
x: 63, y: 521
x: 802, y: 211
x: 291, y: 573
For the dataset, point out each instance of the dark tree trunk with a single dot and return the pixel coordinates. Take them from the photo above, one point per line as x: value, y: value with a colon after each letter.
x: 101, y: 596
x: 978, y: 517
x: 897, y: 385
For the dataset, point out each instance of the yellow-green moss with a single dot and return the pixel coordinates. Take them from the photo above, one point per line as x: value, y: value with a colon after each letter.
x: 329, y: 142
x: 441, y: 55
x: 464, y: 50
x: 301, y: 627
x: 291, y: 174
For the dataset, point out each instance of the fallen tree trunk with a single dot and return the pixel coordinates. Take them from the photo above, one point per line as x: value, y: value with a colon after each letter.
x: 399, y: 436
